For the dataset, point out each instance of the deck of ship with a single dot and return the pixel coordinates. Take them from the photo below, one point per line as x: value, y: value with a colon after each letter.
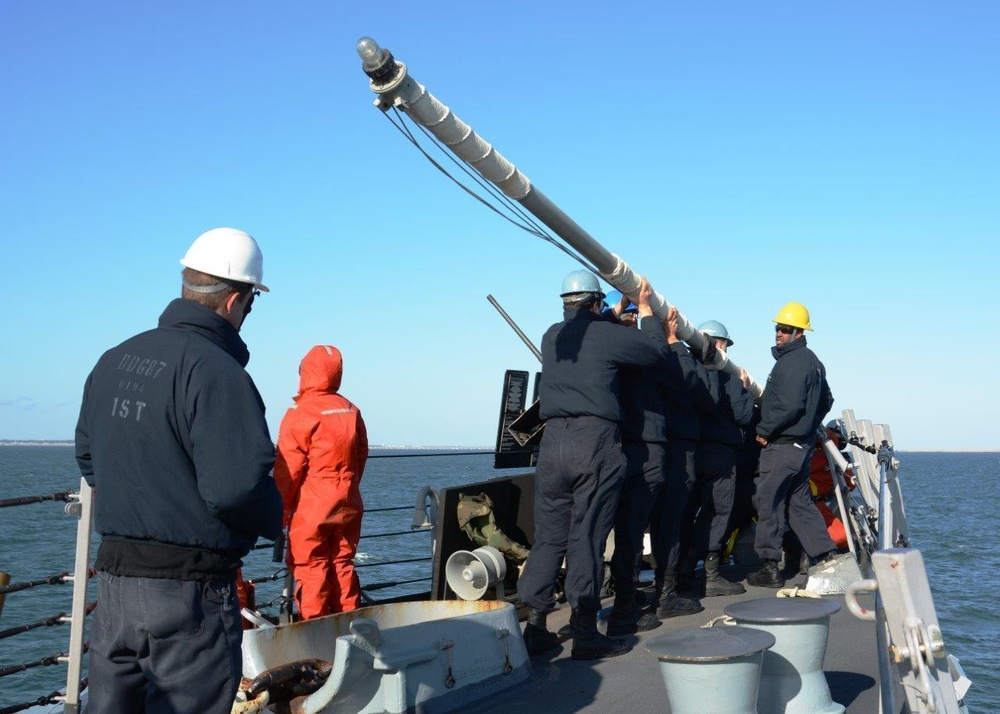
x: 632, y: 682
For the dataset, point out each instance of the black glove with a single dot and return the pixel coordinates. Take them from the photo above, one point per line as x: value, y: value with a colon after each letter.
x: 709, y: 350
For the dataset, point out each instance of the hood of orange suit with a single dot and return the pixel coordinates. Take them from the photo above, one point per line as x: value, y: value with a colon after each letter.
x: 320, y: 371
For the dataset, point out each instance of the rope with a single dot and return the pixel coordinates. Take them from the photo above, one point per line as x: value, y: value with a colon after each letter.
x: 721, y: 619
x: 397, y: 533
x: 522, y: 221
x: 58, y: 619
x: 382, y: 586
x: 417, y: 456
x: 389, y: 562
x: 391, y: 508
x: 50, y: 698
x: 51, y: 580
x: 269, y: 578
x: 43, y: 662
x: 25, y: 500
x: 797, y: 592
x: 272, y: 602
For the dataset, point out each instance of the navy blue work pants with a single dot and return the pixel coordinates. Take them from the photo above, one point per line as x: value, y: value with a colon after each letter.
x: 715, y: 468
x: 159, y: 646
x: 668, y: 510
x: 783, y: 485
x: 578, y: 479
x: 644, y: 478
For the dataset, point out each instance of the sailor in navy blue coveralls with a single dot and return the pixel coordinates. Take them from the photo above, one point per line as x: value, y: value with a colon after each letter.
x: 580, y: 464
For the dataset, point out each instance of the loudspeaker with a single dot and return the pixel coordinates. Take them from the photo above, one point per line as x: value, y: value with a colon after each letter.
x: 470, y: 574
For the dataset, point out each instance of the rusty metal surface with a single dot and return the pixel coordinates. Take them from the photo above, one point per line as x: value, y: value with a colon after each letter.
x: 399, y: 655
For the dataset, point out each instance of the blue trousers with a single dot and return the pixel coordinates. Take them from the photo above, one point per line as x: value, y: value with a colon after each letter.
x: 665, y: 521
x: 715, y: 466
x: 783, y: 485
x: 577, y: 483
x: 160, y: 645
x: 643, y: 482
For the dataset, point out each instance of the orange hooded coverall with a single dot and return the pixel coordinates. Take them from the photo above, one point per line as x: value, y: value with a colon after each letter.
x: 322, y: 449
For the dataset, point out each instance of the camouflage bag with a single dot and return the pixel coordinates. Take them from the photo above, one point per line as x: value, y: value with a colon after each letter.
x: 476, y: 519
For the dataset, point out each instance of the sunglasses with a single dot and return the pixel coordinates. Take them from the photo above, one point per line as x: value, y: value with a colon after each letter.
x: 784, y: 329
x: 253, y: 294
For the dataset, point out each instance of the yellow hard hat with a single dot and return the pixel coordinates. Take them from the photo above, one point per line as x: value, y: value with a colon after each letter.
x: 793, y: 314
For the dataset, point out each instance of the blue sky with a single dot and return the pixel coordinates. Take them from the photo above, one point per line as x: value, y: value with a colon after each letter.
x: 741, y: 155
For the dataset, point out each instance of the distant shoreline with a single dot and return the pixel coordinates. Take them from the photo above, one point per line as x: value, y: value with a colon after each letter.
x: 407, y: 447
x: 410, y: 447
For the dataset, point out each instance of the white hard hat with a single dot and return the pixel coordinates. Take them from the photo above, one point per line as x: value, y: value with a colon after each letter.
x: 227, y: 253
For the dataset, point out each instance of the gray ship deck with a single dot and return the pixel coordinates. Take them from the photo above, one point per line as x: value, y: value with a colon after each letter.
x: 632, y: 681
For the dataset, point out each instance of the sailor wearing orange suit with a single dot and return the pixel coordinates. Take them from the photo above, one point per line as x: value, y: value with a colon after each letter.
x: 322, y: 450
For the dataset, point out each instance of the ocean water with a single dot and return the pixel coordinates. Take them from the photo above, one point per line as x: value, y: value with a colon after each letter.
x: 948, y: 501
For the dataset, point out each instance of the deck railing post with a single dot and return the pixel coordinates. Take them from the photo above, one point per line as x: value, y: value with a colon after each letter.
x: 84, y: 509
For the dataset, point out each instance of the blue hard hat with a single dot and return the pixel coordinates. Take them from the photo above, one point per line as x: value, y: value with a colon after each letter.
x: 614, y: 297
x: 714, y: 328
x: 580, y: 281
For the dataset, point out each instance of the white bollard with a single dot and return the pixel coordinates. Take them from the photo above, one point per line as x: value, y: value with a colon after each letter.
x: 791, y: 678
x: 711, y: 670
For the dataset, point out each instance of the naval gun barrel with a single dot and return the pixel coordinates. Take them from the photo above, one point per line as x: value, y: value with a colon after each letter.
x: 517, y: 330
x: 391, y: 81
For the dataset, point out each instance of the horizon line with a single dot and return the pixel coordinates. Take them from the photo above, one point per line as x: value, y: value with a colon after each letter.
x: 425, y: 447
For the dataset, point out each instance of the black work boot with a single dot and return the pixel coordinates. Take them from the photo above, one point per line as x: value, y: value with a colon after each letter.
x: 567, y: 630
x: 627, y: 618
x: 537, y: 637
x: 769, y: 576
x: 715, y: 584
x: 673, y: 605
x: 651, y: 596
x: 687, y: 577
x: 588, y: 643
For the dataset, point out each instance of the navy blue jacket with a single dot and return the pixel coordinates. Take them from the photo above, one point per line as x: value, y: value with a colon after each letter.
x: 580, y: 360
x: 732, y: 407
x: 796, y: 396
x: 685, y: 400
x: 646, y: 393
x: 644, y: 418
x: 172, y: 436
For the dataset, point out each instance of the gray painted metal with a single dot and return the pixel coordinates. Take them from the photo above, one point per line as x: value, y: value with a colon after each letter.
x: 712, y: 669
x: 84, y: 508
x: 834, y: 577
x: 919, y: 656
x: 782, y: 610
x: 838, y: 467
x: 791, y: 678
x: 431, y: 656
x: 709, y: 644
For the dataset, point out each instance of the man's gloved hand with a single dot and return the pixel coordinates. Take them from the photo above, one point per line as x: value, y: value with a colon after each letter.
x: 709, y: 350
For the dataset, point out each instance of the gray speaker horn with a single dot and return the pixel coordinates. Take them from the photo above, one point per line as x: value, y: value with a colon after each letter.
x: 470, y: 574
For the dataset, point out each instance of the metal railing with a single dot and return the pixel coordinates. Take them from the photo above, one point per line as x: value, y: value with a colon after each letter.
x: 916, y: 673
x: 81, y: 505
